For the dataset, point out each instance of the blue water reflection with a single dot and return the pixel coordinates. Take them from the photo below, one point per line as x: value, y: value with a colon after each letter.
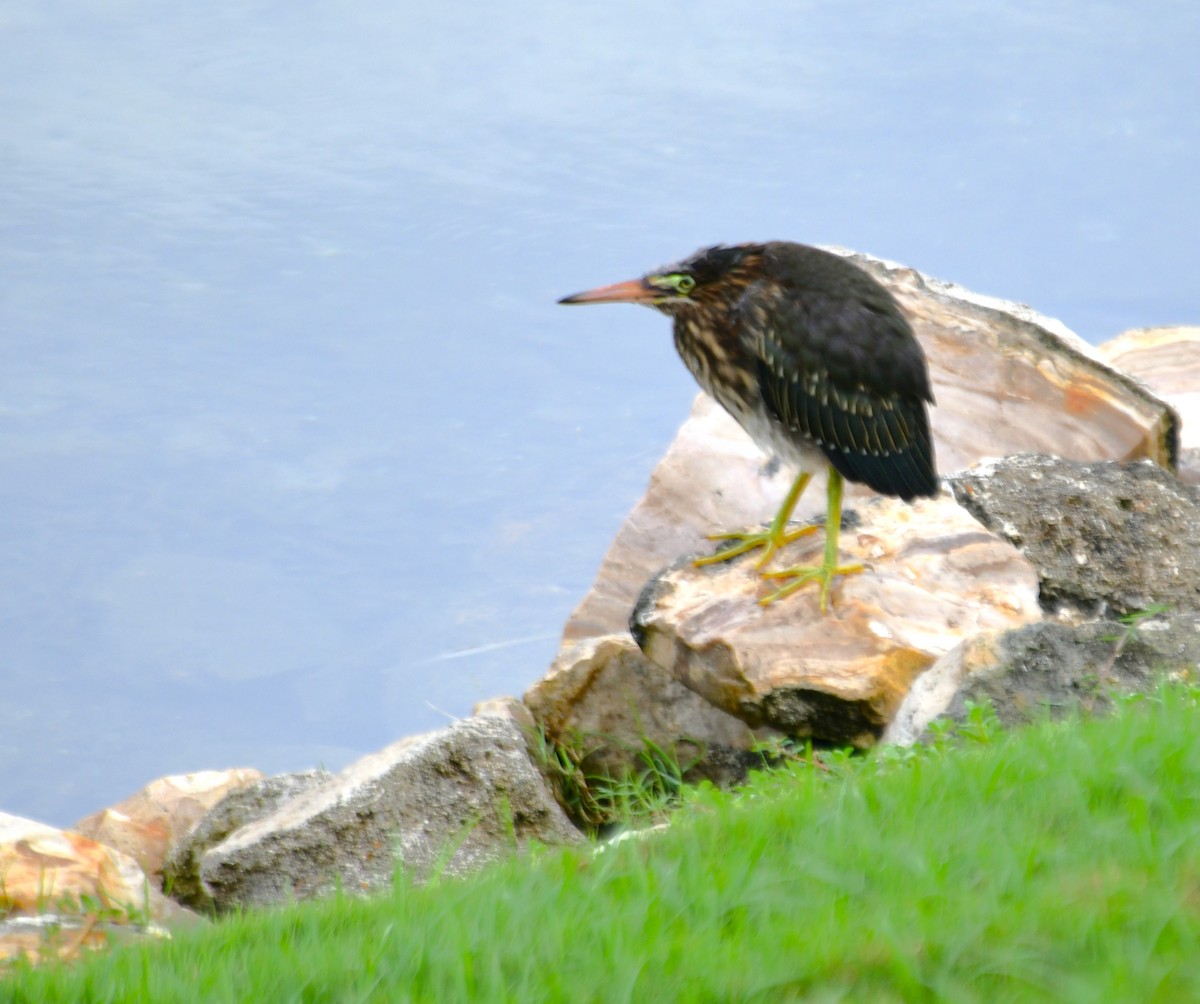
x: 299, y: 455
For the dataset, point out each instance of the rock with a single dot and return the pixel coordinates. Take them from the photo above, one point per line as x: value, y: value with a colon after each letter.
x: 62, y: 891
x: 1104, y: 537
x: 933, y: 578
x: 40, y: 864
x: 1189, y: 465
x: 1007, y: 380
x: 1051, y: 669
x: 181, y: 869
x: 505, y: 707
x: 445, y: 802
x: 1167, y: 360
x: 934, y: 690
x: 607, y: 697
x: 1010, y: 380
x: 146, y: 824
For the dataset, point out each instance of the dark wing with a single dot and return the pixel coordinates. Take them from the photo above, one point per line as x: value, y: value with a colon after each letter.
x: 848, y: 373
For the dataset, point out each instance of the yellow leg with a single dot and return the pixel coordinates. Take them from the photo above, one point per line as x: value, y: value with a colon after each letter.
x: 771, y: 539
x: 825, y: 572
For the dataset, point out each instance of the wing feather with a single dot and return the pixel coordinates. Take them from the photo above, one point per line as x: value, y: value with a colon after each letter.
x: 853, y: 380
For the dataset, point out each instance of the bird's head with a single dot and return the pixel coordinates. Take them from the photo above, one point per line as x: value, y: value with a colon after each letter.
x: 708, y: 277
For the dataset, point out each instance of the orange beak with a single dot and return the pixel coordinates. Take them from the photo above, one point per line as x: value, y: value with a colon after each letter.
x: 633, y: 291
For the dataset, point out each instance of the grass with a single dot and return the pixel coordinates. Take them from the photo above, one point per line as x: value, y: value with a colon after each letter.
x: 643, y: 794
x: 1058, y: 863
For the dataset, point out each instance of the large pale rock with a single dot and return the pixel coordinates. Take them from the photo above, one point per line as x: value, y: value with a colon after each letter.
x: 1050, y: 669
x: 1167, y: 360
x: 1103, y: 536
x: 449, y: 801
x: 1010, y: 380
x: 1007, y: 380
x: 606, y: 696
x: 933, y: 578
x: 181, y: 869
x: 147, y: 824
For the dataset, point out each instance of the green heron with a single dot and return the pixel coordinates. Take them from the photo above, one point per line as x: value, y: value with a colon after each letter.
x: 816, y: 362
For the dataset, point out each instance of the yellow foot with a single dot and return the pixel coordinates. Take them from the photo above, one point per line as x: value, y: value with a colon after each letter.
x: 801, y: 575
x: 769, y: 540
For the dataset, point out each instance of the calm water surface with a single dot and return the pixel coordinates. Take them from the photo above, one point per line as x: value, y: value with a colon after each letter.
x: 299, y: 456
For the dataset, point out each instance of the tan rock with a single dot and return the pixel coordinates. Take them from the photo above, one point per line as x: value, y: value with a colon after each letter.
x: 1007, y: 380
x: 605, y: 694
x: 505, y: 707
x: 147, y: 824
x: 62, y: 892
x: 933, y: 578
x: 41, y: 864
x: 1167, y: 360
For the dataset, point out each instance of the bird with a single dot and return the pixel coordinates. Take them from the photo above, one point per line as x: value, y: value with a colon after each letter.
x: 814, y: 358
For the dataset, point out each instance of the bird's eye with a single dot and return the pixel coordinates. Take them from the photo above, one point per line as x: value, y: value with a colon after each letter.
x: 683, y: 283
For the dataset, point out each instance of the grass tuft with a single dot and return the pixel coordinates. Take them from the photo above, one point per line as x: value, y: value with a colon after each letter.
x: 598, y: 803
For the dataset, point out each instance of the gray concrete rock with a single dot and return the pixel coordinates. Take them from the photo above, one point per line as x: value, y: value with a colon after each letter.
x: 1051, y: 669
x: 1106, y: 538
x: 181, y: 870
x: 444, y: 802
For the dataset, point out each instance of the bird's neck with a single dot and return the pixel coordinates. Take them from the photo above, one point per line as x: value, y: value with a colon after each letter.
x: 709, y: 343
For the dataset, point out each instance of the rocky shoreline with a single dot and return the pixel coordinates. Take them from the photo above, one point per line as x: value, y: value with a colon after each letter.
x: 1059, y: 567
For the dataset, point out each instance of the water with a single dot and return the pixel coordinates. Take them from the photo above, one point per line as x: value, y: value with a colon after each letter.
x: 300, y: 457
